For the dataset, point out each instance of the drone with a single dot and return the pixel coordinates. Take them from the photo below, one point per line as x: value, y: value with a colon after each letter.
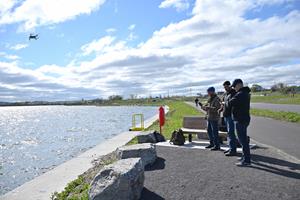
x: 33, y: 36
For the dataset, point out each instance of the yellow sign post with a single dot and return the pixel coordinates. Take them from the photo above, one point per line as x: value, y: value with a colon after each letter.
x: 137, y: 122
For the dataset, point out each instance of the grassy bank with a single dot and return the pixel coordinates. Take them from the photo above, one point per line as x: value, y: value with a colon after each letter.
x: 279, y: 115
x: 276, y: 98
x: 178, y: 110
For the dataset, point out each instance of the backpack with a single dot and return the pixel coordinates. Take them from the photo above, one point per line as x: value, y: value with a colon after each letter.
x: 177, y: 138
x: 159, y: 137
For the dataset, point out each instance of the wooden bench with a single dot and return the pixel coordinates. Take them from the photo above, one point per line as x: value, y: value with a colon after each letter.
x: 198, y: 125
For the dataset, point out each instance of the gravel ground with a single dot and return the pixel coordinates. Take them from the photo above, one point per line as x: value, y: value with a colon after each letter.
x: 186, y: 174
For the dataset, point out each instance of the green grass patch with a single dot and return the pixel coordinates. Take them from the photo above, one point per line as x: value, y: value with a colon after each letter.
x: 279, y: 115
x: 276, y: 98
x: 75, y: 190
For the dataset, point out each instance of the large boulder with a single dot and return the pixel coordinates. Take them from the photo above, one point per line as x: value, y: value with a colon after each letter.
x: 146, y: 137
x: 122, y: 180
x: 146, y: 151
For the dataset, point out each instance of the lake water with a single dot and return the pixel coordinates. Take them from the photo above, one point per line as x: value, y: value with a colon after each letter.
x: 35, y: 139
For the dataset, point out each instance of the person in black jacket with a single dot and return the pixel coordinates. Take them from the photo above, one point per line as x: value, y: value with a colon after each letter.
x: 226, y: 109
x: 240, y: 105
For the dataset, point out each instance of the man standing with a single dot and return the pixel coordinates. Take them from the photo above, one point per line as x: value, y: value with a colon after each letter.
x: 196, y: 102
x: 226, y: 108
x: 211, y: 107
x: 240, y: 104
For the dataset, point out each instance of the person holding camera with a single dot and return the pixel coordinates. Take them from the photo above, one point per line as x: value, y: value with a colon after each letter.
x: 211, y: 107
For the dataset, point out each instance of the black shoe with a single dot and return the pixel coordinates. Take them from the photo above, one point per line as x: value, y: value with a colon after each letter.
x: 215, y: 148
x: 230, y: 154
x: 209, y: 146
x: 243, y: 164
x: 226, y: 151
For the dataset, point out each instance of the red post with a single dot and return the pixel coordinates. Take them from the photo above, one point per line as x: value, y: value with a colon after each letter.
x: 161, y: 118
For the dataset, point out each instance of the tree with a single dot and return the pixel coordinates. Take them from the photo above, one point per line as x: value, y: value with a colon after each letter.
x: 278, y: 87
x: 133, y: 96
x: 256, y: 88
x: 115, y: 97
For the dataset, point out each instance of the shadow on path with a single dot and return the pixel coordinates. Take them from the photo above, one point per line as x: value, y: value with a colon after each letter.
x: 269, y: 164
x: 148, y: 195
x: 158, y: 165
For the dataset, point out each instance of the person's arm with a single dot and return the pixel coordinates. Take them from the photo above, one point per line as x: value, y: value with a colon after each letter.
x: 234, y: 101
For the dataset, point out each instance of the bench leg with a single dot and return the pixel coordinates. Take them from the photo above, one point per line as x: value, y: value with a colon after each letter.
x: 190, y: 137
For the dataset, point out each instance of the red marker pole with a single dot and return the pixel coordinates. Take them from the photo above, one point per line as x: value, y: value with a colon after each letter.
x: 161, y: 118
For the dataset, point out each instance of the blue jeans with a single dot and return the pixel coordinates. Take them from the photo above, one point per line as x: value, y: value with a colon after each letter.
x: 213, y: 132
x: 231, y: 135
x: 241, y: 130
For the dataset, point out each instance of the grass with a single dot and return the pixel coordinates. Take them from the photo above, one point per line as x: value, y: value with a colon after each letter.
x: 276, y: 98
x: 279, y: 115
x: 178, y: 110
x: 75, y: 190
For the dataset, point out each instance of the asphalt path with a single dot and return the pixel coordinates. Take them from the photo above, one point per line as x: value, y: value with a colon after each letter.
x: 277, y: 107
x: 284, y: 136
x: 194, y: 174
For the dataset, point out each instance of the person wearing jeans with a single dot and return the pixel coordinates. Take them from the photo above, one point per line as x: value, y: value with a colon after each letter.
x: 231, y: 136
x: 240, y: 104
x: 211, y: 107
x: 241, y: 129
x: 213, y: 133
x: 226, y: 109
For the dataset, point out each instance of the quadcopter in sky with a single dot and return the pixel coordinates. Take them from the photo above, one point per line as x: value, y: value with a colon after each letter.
x: 33, y: 36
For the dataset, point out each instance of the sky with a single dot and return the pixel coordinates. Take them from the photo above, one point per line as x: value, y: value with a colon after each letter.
x: 96, y: 48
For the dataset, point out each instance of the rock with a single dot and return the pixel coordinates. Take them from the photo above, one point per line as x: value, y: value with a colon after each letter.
x: 122, y: 180
x: 146, y: 151
x: 146, y: 137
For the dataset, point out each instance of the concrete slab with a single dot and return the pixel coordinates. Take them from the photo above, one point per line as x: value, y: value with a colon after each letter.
x: 198, y: 145
x: 55, y: 180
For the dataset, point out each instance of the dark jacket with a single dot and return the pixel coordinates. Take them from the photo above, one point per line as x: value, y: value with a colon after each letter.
x: 211, y: 107
x: 227, y: 108
x: 240, y: 104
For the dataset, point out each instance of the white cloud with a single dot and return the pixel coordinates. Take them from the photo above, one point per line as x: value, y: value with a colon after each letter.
x: 97, y: 45
x: 131, y: 27
x: 18, y: 46
x: 110, y: 30
x: 180, y: 5
x: 9, y: 56
x: 32, y: 13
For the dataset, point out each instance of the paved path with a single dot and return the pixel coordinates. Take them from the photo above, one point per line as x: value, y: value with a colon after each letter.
x: 281, y: 135
x: 277, y: 107
x: 193, y: 174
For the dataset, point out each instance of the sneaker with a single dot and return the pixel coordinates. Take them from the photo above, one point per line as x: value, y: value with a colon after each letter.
x: 215, y: 148
x: 240, y: 159
x: 230, y: 153
x: 209, y: 146
x: 243, y: 164
x: 226, y: 151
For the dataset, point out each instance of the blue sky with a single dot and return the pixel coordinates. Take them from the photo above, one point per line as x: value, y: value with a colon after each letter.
x: 97, y: 48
